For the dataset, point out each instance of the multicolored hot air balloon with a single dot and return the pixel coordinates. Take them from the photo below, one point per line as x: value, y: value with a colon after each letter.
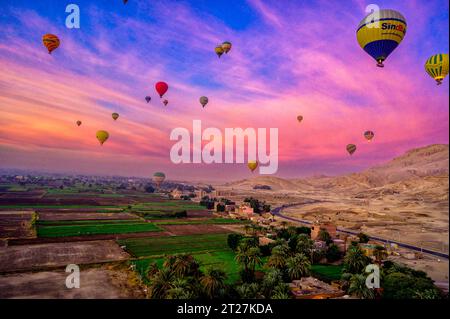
x: 351, y: 148
x: 437, y: 67
x: 226, y: 46
x: 102, y: 136
x: 161, y: 88
x: 380, y: 32
x: 369, y: 135
x: 78, y: 123
x: 158, y: 178
x: 219, y: 50
x: 252, y: 165
x: 165, y: 102
x: 299, y: 118
x: 115, y: 116
x: 203, y: 101
x: 51, y: 42
x: 148, y: 98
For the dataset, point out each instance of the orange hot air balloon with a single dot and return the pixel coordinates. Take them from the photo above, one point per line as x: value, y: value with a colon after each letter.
x: 351, y: 148
x: 252, y: 165
x: 51, y: 42
x: 161, y: 88
x: 78, y: 123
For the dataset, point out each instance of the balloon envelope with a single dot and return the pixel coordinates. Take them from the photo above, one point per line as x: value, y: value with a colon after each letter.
x: 51, y: 42
x: 380, y: 32
x: 299, y: 118
x: 158, y: 178
x: 165, y: 102
x: 351, y: 148
x: 78, y: 123
x: 369, y: 135
x: 252, y: 165
x: 161, y: 88
x: 226, y: 46
x: 148, y: 98
x: 102, y: 136
x: 115, y: 116
x: 437, y: 66
x: 219, y: 50
x: 203, y: 101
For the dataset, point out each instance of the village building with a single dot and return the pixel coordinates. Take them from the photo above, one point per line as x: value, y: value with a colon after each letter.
x: 327, y: 226
x: 312, y: 288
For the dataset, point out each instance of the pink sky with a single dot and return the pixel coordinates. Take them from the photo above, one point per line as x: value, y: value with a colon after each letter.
x: 289, y: 61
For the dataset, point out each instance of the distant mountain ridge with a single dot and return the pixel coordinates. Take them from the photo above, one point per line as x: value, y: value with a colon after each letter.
x: 432, y: 160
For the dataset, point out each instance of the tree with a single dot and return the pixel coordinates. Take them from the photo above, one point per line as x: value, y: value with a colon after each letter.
x: 359, y: 288
x: 249, y: 291
x: 324, y: 236
x: 249, y: 257
x: 363, y: 238
x: 397, y: 285
x: 271, y: 279
x: 333, y: 253
x: 161, y: 283
x: 279, y: 257
x: 213, y: 282
x: 281, y: 291
x: 233, y: 240
x: 185, y: 265
x: 355, y: 261
x: 149, y: 188
x: 180, y: 290
x: 298, y: 266
x: 304, y: 244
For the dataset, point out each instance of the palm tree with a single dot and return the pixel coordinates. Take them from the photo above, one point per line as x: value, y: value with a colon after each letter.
x: 249, y: 291
x: 281, y: 291
x: 185, y: 265
x: 249, y: 257
x: 355, y: 261
x: 278, y: 257
x: 359, y: 288
x: 304, y: 244
x: 298, y: 266
x: 271, y: 279
x: 213, y: 281
x: 180, y: 290
x: 161, y: 283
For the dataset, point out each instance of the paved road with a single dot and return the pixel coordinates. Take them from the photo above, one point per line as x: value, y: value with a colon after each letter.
x: 277, y: 212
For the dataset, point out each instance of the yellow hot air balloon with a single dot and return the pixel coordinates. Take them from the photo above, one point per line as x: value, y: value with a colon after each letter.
x: 102, y: 136
x: 115, y: 116
x: 219, y: 50
x: 51, y: 42
x: 299, y: 118
x: 437, y: 67
x: 226, y: 46
x: 380, y: 32
x: 252, y: 165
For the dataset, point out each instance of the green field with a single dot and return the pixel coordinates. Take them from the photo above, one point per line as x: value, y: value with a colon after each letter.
x: 327, y: 272
x: 159, y: 246
x: 57, y: 206
x: 85, y: 222
x: 203, y: 221
x: 99, y: 228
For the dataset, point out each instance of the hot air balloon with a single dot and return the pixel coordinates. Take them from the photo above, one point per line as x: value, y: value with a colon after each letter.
x: 437, y: 67
x: 369, y: 135
x: 148, y: 98
x: 165, y: 102
x: 51, y: 42
x: 203, y: 101
x: 78, y: 123
x: 115, y: 116
x: 161, y: 88
x: 102, y: 136
x: 226, y: 46
x: 219, y: 50
x: 252, y: 165
x: 380, y: 32
x: 158, y: 178
x: 351, y: 148
x: 299, y: 118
